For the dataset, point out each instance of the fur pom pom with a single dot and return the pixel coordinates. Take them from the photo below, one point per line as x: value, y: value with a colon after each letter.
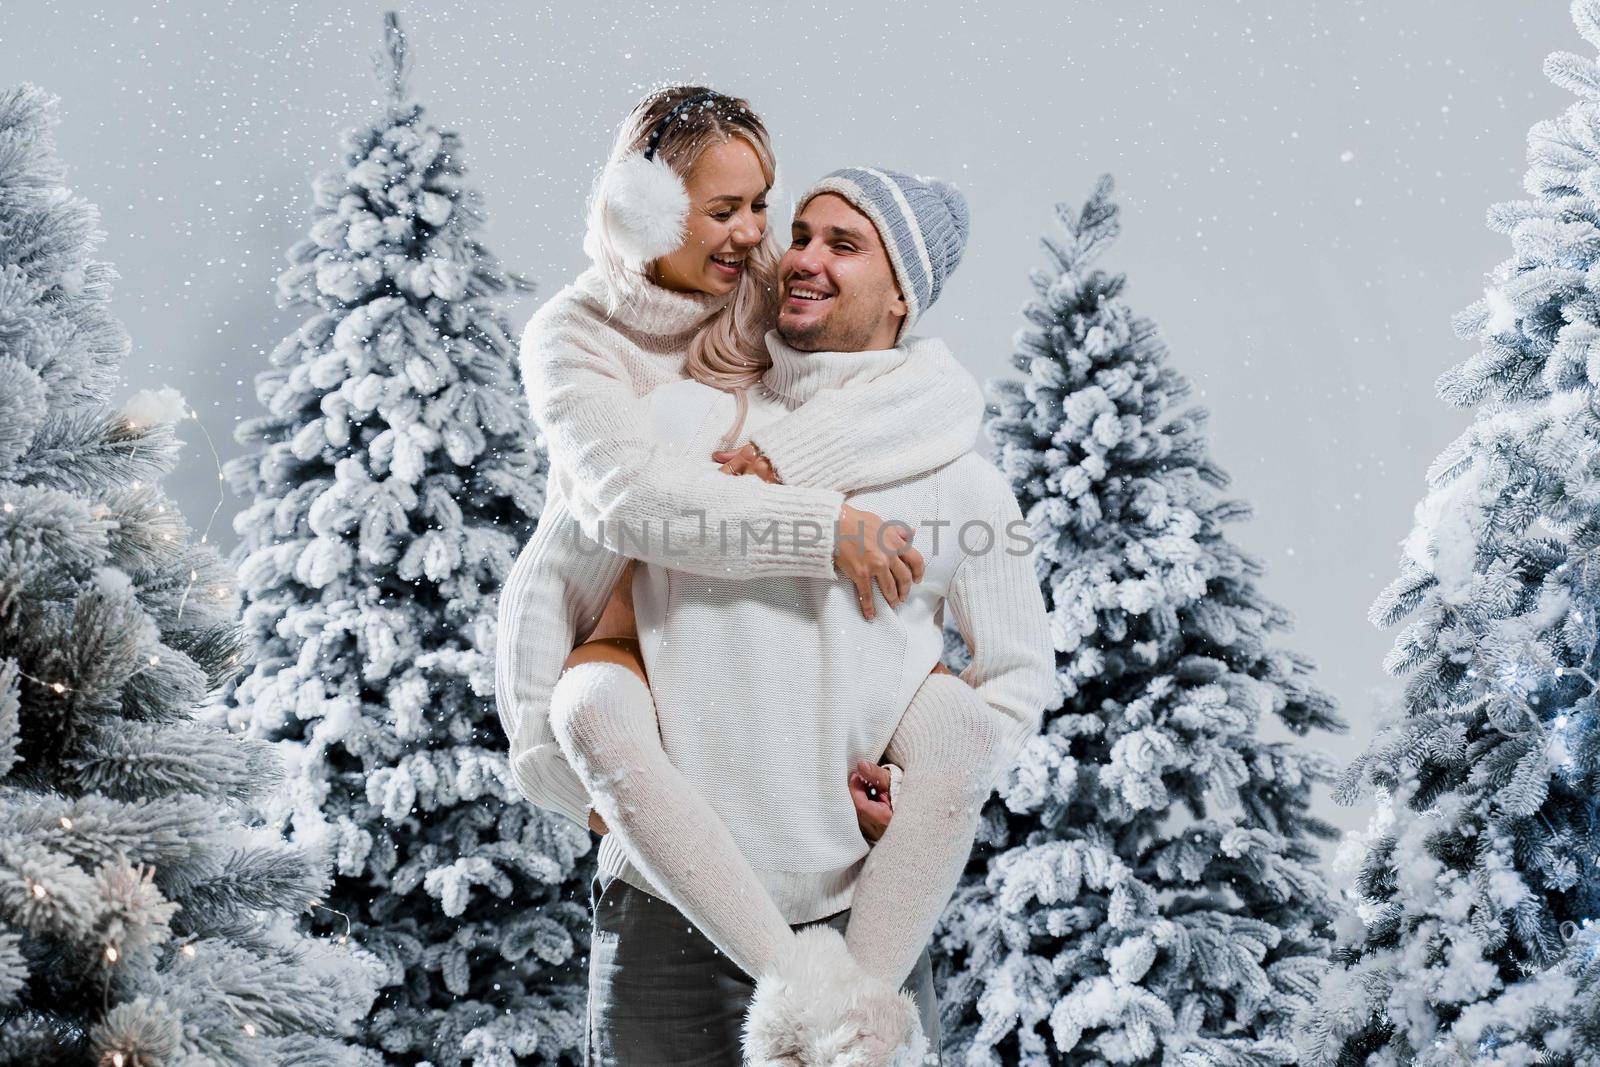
x: 644, y: 207
x: 818, y: 1008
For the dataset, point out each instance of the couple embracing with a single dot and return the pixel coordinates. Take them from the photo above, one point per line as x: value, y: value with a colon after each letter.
x: 721, y: 648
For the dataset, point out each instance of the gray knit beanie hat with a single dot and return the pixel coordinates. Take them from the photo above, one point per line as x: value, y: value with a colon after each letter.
x: 922, y: 222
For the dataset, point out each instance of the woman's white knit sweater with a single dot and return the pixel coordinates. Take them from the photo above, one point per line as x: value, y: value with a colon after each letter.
x: 768, y: 690
x: 586, y: 371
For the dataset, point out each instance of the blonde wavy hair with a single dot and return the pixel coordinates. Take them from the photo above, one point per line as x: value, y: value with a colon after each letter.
x: 729, y: 352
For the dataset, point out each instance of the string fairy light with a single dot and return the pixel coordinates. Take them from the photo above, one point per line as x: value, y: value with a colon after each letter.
x: 62, y: 688
x: 99, y: 511
x: 184, y: 599
x: 205, y: 535
x: 216, y: 464
x: 191, y: 950
x: 58, y: 688
x: 1513, y: 688
x: 222, y: 479
x: 318, y: 905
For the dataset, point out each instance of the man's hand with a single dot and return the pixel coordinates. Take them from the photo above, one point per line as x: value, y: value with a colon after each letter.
x: 597, y: 824
x: 746, y: 460
x: 867, y: 549
x: 872, y: 815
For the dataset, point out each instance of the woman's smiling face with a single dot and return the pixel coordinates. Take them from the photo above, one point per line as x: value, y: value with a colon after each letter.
x: 727, y: 218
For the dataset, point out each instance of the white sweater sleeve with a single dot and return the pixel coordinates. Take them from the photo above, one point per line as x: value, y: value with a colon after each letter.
x: 997, y: 606
x: 918, y: 416
x: 552, y: 598
x: 635, y: 496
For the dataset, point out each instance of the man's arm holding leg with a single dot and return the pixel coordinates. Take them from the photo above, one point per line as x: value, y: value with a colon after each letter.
x: 956, y: 738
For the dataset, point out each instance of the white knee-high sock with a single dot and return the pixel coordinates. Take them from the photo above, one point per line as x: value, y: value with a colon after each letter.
x: 949, y: 743
x: 604, y: 718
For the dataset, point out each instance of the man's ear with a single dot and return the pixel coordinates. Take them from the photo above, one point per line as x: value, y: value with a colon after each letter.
x: 897, y: 306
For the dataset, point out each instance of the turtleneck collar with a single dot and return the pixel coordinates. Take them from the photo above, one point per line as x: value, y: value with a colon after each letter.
x: 796, y: 376
x: 646, y: 307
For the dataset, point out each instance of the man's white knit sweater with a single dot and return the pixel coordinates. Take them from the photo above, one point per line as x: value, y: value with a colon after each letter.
x: 586, y: 369
x: 768, y: 690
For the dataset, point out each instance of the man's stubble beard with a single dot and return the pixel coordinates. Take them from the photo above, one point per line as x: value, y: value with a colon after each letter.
x: 833, y: 334
x: 801, y: 340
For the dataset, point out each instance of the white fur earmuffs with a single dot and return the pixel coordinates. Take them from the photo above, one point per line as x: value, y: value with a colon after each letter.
x: 640, y: 206
x: 645, y: 208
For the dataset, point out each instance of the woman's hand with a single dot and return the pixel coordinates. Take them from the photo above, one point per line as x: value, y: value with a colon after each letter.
x: 597, y: 824
x: 867, y: 549
x: 746, y: 460
x: 873, y: 812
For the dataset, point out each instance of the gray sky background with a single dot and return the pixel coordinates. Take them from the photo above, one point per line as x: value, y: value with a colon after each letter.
x: 1304, y: 187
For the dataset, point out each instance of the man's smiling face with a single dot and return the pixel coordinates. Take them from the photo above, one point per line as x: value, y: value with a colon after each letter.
x: 836, y: 282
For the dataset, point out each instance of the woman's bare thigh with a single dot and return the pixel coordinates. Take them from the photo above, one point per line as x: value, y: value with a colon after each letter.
x: 616, y: 635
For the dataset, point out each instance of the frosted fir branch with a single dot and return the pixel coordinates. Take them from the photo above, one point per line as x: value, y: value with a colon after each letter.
x: 1586, y: 16
x: 238, y: 1002
x: 45, y: 893
x: 13, y: 965
x: 1577, y: 74
x: 169, y: 834
x: 255, y: 877
x: 10, y: 715
x: 127, y: 761
x: 88, y: 449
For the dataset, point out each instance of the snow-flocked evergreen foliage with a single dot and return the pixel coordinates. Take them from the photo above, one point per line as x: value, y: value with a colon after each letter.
x: 1469, y: 937
x: 394, y: 479
x: 145, y: 920
x: 1145, y: 888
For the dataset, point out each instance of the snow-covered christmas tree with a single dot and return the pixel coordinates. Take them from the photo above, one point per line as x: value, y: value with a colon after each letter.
x: 1469, y: 940
x: 393, y: 480
x: 1145, y: 889
x: 144, y: 920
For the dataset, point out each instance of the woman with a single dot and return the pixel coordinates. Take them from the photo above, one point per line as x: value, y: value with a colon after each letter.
x: 693, y: 296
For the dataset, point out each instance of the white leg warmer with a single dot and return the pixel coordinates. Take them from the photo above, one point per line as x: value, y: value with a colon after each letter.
x: 605, y: 720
